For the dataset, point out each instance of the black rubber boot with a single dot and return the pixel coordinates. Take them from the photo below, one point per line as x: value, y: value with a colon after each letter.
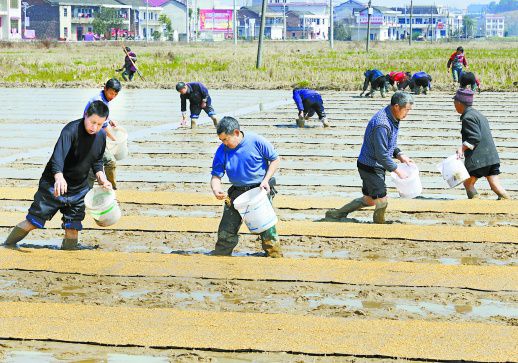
x: 342, y: 212
x: 379, y: 212
x: 16, y: 235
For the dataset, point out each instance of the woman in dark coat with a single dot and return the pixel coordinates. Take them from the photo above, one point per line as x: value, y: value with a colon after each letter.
x: 478, y: 147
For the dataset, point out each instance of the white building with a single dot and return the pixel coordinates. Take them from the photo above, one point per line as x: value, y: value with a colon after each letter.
x: 10, y: 19
x: 430, y: 22
x: 494, y: 25
x: 384, y: 25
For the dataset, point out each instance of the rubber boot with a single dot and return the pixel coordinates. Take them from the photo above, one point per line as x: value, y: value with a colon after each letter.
x: 504, y: 196
x: 300, y: 121
x: 472, y: 194
x: 16, y: 235
x: 214, y: 121
x: 379, y: 212
x: 193, y: 123
x: 325, y: 122
x: 342, y: 212
x: 109, y: 170
x: 70, y: 244
x: 272, y: 248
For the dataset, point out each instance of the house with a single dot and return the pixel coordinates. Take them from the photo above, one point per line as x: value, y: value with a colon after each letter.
x: 494, y: 25
x: 143, y: 18
x: 344, y: 12
x: 430, y: 22
x: 384, y: 25
x: 306, y: 25
x: 10, y: 19
x: 71, y: 19
x: 249, y: 21
x: 175, y: 10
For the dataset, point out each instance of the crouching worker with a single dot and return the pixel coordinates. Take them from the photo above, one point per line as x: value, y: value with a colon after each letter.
x: 419, y: 80
x: 64, y: 182
x: 478, y: 147
x: 199, y: 99
x: 377, y: 81
x: 250, y: 162
x: 469, y: 79
x: 378, y: 149
x: 396, y: 79
x: 308, y: 103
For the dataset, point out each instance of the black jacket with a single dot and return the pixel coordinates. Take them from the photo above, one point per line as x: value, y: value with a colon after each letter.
x: 475, y: 130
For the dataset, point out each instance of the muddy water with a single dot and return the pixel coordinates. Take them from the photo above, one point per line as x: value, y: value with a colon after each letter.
x: 165, y: 157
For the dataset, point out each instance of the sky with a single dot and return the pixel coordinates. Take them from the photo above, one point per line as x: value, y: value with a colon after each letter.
x: 460, y: 4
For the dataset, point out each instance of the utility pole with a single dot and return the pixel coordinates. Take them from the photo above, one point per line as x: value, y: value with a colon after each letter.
x: 25, y: 7
x: 431, y: 24
x: 234, y: 18
x: 147, y: 20
x: 261, y: 36
x: 411, y: 11
x: 213, y: 20
x: 284, y: 18
x: 331, y: 25
x: 187, y: 23
x: 369, y: 13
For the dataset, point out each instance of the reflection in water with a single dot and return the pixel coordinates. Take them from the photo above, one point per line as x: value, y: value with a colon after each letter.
x: 16, y: 356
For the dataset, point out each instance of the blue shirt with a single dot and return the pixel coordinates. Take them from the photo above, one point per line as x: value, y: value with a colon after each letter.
x: 247, y: 163
x: 99, y: 97
x: 380, y: 141
x: 302, y: 94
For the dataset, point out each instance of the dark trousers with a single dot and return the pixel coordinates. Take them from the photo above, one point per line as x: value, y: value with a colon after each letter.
x: 312, y: 106
x: 231, y: 221
x: 379, y: 83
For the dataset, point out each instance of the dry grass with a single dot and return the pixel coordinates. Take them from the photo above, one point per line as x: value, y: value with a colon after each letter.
x: 220, y: 65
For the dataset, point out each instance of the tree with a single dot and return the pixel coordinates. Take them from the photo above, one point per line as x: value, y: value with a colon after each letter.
x: 468, y: 23
x: 105, y: 19
x: 166, y: 25
x: 341, y: 31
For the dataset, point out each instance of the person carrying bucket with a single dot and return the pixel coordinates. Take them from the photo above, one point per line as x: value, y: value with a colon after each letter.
x: 64, y: 182
x: 308, y: 103
x: 478, y: 148
x: 249, y: 161
x: 378, y: 149
x: 199, y: 99
x: 108, y: 93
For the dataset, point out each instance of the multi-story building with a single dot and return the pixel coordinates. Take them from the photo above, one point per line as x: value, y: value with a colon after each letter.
x: 306, y: 25
x: 384, y: 25
x: 430, y: 22
x: 144, y: 18
x: 10, y: 19
x: 176, y: 11
x: 494, y: 25
x: 72, y: 19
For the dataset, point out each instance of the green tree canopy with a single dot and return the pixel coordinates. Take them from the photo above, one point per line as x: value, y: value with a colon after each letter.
x: 105, y: 19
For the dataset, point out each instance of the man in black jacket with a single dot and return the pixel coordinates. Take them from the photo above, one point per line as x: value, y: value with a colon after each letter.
x: 478, y: 147
x: 199, y: 99
x: 64, y: 182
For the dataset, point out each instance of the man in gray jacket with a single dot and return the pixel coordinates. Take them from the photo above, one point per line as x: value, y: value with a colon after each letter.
x: 478, y: 147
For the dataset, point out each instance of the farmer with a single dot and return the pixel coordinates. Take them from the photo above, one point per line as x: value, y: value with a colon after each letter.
x: 377, y: 81
x: 199, y: 99
x: 396, y: 79
x: 469, y: 79
x: 456, y: 62
x: 63, y: 184
x: 128, y: 68
x: 478, y: 147
x: 108, y: 94
x: 378, y: 149
x: 308, y: 103
x: 250, y: 162
x: 419, y: 80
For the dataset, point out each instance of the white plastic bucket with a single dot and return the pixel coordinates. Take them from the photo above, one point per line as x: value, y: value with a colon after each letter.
x: 119, y: 147
x: 102, y: 206
x: 453, y: 171
x: 409, y: 187
x: 256, y: 210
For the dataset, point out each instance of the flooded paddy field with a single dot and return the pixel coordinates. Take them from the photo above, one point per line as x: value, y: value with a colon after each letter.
x: 441, y: 263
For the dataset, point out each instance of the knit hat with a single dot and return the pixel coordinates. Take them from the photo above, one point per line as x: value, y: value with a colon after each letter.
x: 464, y: 96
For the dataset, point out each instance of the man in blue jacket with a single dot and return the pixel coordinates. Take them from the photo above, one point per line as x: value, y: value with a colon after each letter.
x: 308, y: 103
x: 64, y: 182
x: 377, y: 80
x: 199, y: 99
x: 419, y: 80
x: 249, y: 161
x: 376, y: 157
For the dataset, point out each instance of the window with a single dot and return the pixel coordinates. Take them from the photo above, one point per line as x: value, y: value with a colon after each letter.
x: 65, y: 32
x: 14, y: 4
x: 65, y: 12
